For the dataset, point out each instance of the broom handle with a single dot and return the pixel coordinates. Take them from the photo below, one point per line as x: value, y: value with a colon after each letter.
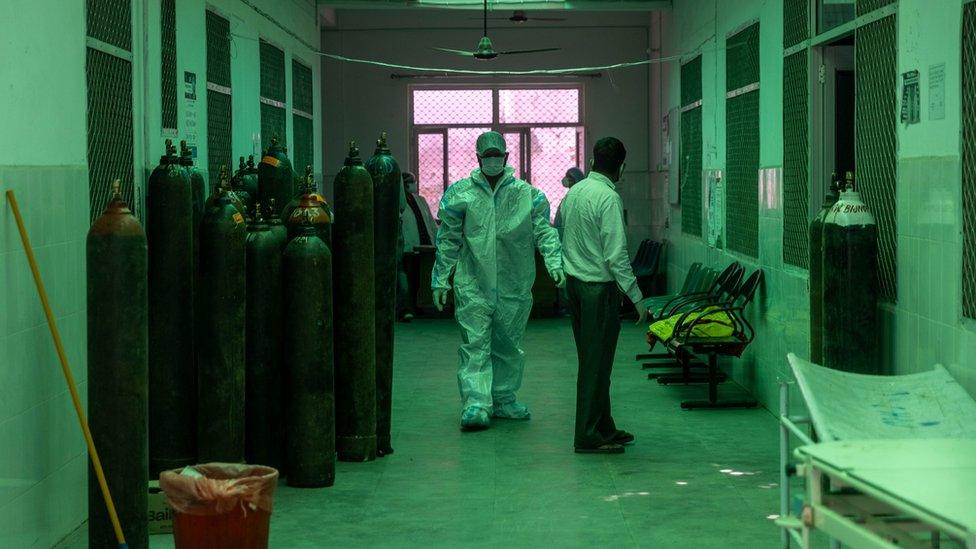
x: 96, y: 463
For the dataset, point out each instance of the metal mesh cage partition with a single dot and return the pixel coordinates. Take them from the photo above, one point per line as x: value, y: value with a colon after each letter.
x: 742, y: 173
x: 219, y: 151
x: 742, y: 58
x: 690, y: 148
x: 795, y: 160
x: 219, y: 114
x: 302, y: 109
x: 218, y: 49
x: 168, y: 80
x: 110, y: 21
x: 690, y: 171
x: 742, y: 141
x: 796, y: 16
x: 272, y: 72
x: 272, y: 95
x: 875, y: 139
x: 969, y: 160
x: 691, y: 81
x: 867, y: 6
x: 272, y: 124
x: 108, y: 72
x: 110, y: 129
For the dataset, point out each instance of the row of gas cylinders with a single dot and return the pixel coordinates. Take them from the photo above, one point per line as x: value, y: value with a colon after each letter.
x: 211, y: 332
x: 844, y: 282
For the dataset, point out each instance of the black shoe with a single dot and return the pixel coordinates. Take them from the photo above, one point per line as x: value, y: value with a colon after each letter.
x: 608, y: 448
x: 623, y: 437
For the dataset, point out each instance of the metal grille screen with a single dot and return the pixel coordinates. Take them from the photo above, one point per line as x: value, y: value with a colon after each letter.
x: 867, y: 6
x: 742, y: 58
x: 272, y: 72
x: 742, y: 142
x: 218, y: 49
x: 219, y: 151
x: 168, y: 75
x: 875, y: 138
x: 691, y: 81
x: 690, y: 163
x: 795, y: 17
x: 742, y: 202
x: 110, y: 21
x: 272, y: 94
x: 219, y: 102
x: 110, y: 129
x: 690, y: 172
x: 795, y: 154
x: 110, y: 125
x: 302, y: 109
x: 969, y: 160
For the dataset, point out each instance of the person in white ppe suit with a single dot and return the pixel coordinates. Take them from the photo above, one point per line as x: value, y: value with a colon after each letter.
x: 490, y: 223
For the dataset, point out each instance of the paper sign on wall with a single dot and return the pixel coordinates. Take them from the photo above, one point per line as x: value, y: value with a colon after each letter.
x: 937, y: 92
x: 910, y: 100
x: 190, y: 111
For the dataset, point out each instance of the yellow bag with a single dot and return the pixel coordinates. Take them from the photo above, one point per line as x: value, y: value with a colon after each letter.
x: 712, y: 322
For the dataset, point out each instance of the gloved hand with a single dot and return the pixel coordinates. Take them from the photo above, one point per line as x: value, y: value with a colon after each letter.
x: 440, y: 298
x: 642, y: 313
x: 559, y: 277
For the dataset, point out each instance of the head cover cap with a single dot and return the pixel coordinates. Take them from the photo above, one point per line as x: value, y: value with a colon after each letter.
x: 490, y: 140
x: 408, y: 177
x: 575, y: 174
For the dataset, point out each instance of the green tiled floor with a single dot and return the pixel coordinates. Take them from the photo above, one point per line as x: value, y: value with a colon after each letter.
x: 519, y: 484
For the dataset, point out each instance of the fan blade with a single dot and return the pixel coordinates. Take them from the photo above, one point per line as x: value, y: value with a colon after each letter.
x: 490, y: 18
x: 456, y: 52
x: 527, y: 51
x: 545, y: 19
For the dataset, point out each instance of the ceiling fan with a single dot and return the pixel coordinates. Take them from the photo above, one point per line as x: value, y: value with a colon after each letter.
x: 519, y: 16
x: 485, y: 49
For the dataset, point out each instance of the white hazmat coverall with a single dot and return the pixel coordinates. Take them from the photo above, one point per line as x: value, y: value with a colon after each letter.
x: 488, y: 236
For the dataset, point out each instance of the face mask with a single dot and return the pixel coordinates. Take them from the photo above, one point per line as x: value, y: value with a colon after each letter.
x: 411, y: 188
x: 493, y: 165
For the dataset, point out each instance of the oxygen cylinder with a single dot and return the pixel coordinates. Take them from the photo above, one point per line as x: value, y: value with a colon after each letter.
x: 387, y: 185
x: 235, y: 200
x: 275, y: 176
x: 308, y: 352
x: 309, y: 207
x: 118, y: 371
x: 199, y: 190
x: 264, y: 434
x: 172, y: 373
x: 239, y: 188
x: 220, y: 433
x: 275, y: 223
x: 251, y: 177
x: 816, y: 273
x: 850, y: 279
x: 355, y: 350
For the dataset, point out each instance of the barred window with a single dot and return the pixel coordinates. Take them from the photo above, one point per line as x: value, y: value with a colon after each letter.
x: 543, y: 129
x: 273, y: 106
x: 302, y: 110
x: 742, y: 137
x: 219, y: 109
x: 690, y: 148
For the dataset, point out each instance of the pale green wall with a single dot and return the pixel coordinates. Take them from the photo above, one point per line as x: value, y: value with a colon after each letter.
x: 925, y: 325
x: 43, y: 158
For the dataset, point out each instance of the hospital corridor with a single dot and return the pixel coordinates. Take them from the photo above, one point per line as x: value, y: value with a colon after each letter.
x: 488, y: 273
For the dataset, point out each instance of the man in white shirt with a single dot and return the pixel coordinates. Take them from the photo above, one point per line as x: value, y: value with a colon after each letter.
x: 598, y: 269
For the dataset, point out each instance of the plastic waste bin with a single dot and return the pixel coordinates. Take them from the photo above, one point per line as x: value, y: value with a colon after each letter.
x: 220, y: 505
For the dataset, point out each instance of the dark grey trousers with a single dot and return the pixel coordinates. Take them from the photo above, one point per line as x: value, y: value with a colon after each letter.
x: 595, y: 310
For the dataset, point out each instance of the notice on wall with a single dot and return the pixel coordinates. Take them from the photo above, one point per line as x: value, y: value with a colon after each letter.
x: 190, y: 111
x: 937, y: 92
x: 910, y: 100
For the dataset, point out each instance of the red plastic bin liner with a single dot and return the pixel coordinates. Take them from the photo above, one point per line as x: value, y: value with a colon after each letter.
x: 227, y: 506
